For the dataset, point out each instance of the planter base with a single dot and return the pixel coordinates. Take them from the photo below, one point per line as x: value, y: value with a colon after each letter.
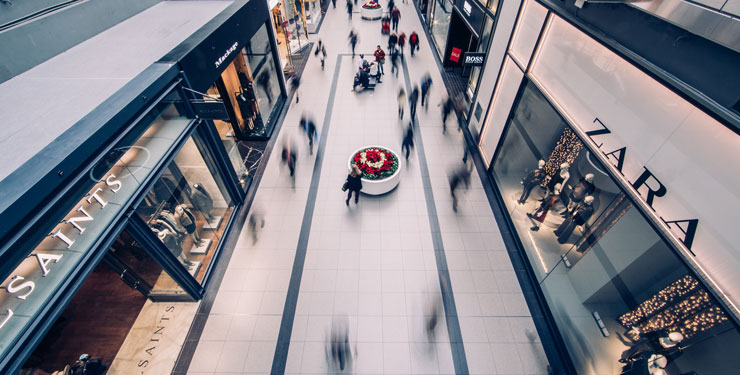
x: 371, y: 14
x: 379, y: 187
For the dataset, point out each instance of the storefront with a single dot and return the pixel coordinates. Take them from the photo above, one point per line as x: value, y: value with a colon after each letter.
x: 293, y: 20
x: 124, y: 232
x: 460, y: 27
x: 618, y: 191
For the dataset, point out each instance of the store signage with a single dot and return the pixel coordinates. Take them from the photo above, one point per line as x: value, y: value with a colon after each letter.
x: 472, y: 13
x: 226, y: 54
x: 467, y: 8
x: 156, y: 337
x: 455, y: 54
x: 211, y: 110
x: 647, y: 185
x: 474, y: 58
x: 22, y: 287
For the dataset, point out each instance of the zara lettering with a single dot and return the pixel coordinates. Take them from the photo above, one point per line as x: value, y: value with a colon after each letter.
x: 21, y: 288
x: 647, y: 185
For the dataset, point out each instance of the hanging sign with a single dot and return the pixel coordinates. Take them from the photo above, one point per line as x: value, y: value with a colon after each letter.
x: 474, y: 58
x: 455, y: 54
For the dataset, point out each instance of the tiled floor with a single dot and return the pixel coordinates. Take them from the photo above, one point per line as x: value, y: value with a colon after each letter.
x: 372, y: 264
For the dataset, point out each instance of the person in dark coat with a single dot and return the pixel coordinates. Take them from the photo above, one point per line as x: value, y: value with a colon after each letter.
x: 392, y: 40
x: 353, y: 38
x: 401, y: 42
x: 395, y: 17
x: 426, y: 85
x: 309, y: 127
x: 349, y: 9
x: 354, y: 183
x: 408, y: 141
x: 413, y: 99
x: 413, y: 42
x: 462, y: 174
x: 447, y: 107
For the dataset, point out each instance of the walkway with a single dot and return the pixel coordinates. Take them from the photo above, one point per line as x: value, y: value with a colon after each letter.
x: 379, y: 264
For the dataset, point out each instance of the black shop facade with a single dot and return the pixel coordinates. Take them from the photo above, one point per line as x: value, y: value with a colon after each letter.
x: 103, y: 260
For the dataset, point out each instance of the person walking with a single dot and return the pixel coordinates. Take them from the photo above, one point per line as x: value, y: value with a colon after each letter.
x: 395, y: 17
x: 334, y: 3
x: 408, y: 141
x: 394, y: 62
x: 322, y: 57
x: 354, y: 183
x: 413, y: 42
x: 309, y: 126
x: 353, y: 37
x: 349, y: 9
x: 401, y: 102
x: 379, y: 59
x: 392, y: 40
x: 391, y: 4
x: 401, y: 42
x: 413, y: 99
x: 447, y: 106
x: 461, y: 175
x: 426, y: 84
x: 295, y: 83
x: 289, y: 157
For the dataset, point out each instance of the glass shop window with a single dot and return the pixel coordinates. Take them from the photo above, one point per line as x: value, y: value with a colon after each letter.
x: 623, y: 300
x: 441, y: 23
x: 187, y: 209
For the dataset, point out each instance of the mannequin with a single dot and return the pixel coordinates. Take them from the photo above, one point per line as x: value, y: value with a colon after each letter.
x: 187, y: 220
x: 538, y: 216
x: 560, y: 178
x: 583, y: 188
x: 579, y: 216
x: 163, y: 225
x: 168, y: 217
x: 202, y: 200
x: 531, y: 180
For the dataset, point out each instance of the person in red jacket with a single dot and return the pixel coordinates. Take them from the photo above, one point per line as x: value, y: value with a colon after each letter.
x: 414, y: 42
x: 401, y: 42
x: 379, y: 58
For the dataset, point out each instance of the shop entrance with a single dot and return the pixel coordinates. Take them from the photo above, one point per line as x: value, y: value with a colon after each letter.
x: 460, y: 39
x: 102, y: 320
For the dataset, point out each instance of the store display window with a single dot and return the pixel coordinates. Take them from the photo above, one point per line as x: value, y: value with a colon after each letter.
x: 624, y: 301
x: 441, y: 24
x: 187, y: 209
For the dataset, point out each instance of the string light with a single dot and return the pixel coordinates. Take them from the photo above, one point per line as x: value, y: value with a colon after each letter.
x: 565, y: 151
x: 683, y: 306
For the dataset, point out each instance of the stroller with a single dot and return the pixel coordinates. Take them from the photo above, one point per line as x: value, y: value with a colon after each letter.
x: 385, y: 25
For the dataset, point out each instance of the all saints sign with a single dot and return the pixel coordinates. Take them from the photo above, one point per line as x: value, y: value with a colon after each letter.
x: 24, y: 281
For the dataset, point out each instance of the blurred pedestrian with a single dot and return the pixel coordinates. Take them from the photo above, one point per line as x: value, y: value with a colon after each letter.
x: 408, y: 141
x: 395, y: 17
x: 295, y: 82
x: 433, y: 314
x: 334, y: 3
x: 394, y: 62
x: 426, y: 84
x: 354, y: 183
x: 401, y: 42
x: 413, y: 42
x: 459, y: 106
x: 338, y: 348
x: 309, y: 127
x: 401, y: 102
x: 391, y: 4
x: 349, y: 11
x: 460, y: 175
x: 289, y: 156
x: 447, y: 107
x: 392, y: 40
x: 413, y: 99
x: 379, y: 58
x: 353, y: 38
x: 256, y: 223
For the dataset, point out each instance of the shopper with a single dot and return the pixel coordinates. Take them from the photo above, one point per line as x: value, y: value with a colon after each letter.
x: 413, y: 99
x: 349, y: 9
x: 353, y: 38
x: 462, y: 174
x: 392, y: 40
x: 379, y: 58
x: 255, y: 225
x: 401, y: 102
x: 289, y: 157
x: 309, y: 127
x: 353, y: 183
x: 295, y: 83
x: 426, y: 84
x: 447, y: 106
x: 394, y: 62
x: 414, y: 42
x: 408, y: 141
x: 334, y: 3
x: 401, y: 42
x: 395, y: 17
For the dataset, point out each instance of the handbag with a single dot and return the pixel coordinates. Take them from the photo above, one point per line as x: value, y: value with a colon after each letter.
x: 345, y: 186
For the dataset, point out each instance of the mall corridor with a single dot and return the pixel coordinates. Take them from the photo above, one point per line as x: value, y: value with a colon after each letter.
x: 380, y: 266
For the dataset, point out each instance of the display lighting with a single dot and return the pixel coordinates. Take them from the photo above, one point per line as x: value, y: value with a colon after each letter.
x: 682, y: 306
x: 565, y: 151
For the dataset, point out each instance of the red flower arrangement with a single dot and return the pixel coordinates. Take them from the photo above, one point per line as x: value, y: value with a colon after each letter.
x: 376, y: 163
x: 371, y: 5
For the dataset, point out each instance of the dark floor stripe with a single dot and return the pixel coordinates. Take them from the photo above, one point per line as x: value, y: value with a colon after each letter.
x: 291, y: 300
x: 445, y: 284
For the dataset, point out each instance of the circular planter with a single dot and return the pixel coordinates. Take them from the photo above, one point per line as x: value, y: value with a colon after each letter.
x: 371, y: 14
x: 381, y: 186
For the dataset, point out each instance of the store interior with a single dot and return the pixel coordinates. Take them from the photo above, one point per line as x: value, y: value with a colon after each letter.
x: 623, y: 299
